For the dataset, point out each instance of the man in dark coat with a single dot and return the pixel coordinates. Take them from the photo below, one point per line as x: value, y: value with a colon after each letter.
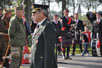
x: 97, y: 28
x: 57, y: 25
x: 77, y: 28
x: 44, y: 38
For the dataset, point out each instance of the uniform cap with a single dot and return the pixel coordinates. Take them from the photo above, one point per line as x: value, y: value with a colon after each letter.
x: 37, y: 7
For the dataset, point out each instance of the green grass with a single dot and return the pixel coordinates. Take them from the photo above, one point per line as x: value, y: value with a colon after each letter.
x: 77, y: 49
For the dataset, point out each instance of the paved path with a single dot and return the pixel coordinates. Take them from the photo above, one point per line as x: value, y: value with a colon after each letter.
x: 80, y: 62
x: 77, y: 62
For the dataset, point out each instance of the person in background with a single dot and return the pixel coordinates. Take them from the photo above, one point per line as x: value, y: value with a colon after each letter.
x: 17, y: 35
x: 66, y: 38
x: 86, y: 40
x: 78, y: 27
x: 97, y: 28
x: 57, y: 25
x: 6, y: 19
x: 3, y: 31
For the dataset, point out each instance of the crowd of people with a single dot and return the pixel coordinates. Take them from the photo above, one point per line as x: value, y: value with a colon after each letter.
x: 62, y: 32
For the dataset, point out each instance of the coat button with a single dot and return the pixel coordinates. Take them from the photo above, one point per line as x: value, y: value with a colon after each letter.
x: 41, y: 57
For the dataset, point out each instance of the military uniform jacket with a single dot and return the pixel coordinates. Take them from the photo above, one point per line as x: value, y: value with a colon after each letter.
x: 2, y: 41
x: 17, y: 32
x: 43, y: 44
x: 2, y: 27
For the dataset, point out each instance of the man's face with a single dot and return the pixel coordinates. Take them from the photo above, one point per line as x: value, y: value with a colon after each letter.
x: 76, y: 16
x: 8, y: 15
x: 86, y: 29
x: 66, y: 12
x: 55, y: 18
x: 0, y: 12
x: 20, y: 13
x: 36, y: 16
x: 32, y: 17
x: 97, y: 16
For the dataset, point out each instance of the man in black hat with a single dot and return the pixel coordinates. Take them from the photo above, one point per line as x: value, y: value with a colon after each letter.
x: 43, y: 42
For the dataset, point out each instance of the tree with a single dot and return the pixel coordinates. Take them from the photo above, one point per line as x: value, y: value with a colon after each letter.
x: 91, y: 4
x: 63, y: 4
x: 3, y: 3
x: 27, y: 5
x: 74, y: 4
x: 69, y: 3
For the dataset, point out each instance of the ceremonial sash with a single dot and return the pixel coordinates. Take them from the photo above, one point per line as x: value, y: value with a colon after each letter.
x: 63, y: 28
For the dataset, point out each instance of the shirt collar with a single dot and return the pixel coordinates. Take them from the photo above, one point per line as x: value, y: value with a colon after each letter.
x: 76, y: 20
x: 98, y: 20
x: 41, y: 21
x: 55, y: 21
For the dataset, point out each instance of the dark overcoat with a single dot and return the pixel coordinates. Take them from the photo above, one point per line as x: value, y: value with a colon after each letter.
x: 95, y: 29
x: 57, y: 26
x: 43, y: 44
x: 57, y: 29
x: 79, y: 27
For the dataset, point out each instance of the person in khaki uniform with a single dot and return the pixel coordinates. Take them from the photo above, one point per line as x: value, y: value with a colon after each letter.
x: 17, y: 35
x: 2, y: 32
x: 6, y: 19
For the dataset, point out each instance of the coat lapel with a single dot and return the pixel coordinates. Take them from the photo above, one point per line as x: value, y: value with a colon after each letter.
x: 40, y: 30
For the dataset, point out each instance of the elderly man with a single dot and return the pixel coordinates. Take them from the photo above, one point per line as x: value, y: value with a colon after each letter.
x: 17, y: 35
x: 44, y: 38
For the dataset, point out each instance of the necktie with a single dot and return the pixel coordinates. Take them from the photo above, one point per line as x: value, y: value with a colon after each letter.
x: 56, y: 23
x: 98, y: 22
